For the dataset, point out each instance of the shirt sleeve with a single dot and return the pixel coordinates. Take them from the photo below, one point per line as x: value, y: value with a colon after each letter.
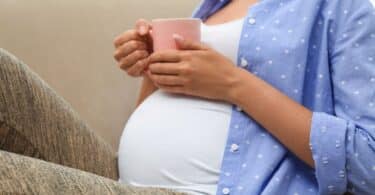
x: 343, y: 144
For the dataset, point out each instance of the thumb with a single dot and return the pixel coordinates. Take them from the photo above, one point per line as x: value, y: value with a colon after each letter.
x: 143, y: 27
x: 185, y: 44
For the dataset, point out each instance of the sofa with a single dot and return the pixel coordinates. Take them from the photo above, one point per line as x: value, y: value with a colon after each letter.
x: 69, y: 44
x: 63, y: 100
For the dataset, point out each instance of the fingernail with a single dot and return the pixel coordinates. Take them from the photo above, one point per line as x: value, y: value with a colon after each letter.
x: 178, y: 37
x: 142, y: 30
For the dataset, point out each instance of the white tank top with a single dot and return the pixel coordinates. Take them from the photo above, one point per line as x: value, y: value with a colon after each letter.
x: 176, y: 141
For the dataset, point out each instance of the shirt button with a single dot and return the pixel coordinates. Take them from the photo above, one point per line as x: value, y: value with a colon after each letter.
x: 244, y: 63
x: 234, y: 148
x: 252, y: 21
x: 226, y: 191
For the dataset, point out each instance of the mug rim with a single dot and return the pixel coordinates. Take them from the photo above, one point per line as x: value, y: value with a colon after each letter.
x: 175, y: 19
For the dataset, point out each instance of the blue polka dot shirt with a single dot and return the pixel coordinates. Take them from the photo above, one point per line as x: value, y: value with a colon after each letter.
x: 320, y: 53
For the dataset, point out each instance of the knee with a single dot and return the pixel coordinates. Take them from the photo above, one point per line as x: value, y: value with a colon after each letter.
x: 7, y: 60
x: 5, y: 56
x: 11, y: 75
x: 11, y: 68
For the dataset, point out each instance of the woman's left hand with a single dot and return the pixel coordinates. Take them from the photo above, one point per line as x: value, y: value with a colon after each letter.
x: 194, y: 69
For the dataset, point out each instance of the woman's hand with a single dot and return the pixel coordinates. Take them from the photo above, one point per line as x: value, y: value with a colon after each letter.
x: 194, y: 69
x: 133, y: 48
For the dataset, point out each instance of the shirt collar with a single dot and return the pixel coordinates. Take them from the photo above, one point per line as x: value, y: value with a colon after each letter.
x: 208, y: 7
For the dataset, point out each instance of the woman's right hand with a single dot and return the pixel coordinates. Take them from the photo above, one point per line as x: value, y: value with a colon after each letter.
x: 133, y: 48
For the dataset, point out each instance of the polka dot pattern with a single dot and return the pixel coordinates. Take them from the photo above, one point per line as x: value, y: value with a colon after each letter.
x: 321, y: 55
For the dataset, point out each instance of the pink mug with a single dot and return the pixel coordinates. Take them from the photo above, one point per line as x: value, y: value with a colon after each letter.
x: 164, y: 29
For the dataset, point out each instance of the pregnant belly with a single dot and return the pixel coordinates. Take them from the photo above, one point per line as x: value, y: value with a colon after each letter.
x: 173, y: 140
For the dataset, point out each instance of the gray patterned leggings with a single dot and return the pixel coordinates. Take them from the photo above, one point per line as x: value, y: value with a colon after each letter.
x: 44, y: 147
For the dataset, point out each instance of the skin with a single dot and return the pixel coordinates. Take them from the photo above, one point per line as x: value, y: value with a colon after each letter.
x: 198, y: 70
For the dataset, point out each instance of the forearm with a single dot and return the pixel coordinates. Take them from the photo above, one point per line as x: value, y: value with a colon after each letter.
x: 147, y: 89
x: 284, y: 118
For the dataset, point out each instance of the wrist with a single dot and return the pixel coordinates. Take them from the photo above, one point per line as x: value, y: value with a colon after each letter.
x: 146, y: 79
x: 235, y: 85
x: 238, y: 86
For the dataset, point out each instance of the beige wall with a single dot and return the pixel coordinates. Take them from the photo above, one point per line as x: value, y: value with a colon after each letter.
x: 69, y: 44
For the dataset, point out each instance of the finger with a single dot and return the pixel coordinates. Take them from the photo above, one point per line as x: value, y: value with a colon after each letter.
x: 128, y: 48
x: 165, y: 56
x: 142, y: 27
x: 125, y: 37
x: 132, y: 58
x: 165, y: 68
x: 185, y: 44
x: 169, y: 80
x: 138, y: 68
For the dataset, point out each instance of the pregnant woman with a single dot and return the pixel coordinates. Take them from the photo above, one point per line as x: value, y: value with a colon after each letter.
x: 278, y: 99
